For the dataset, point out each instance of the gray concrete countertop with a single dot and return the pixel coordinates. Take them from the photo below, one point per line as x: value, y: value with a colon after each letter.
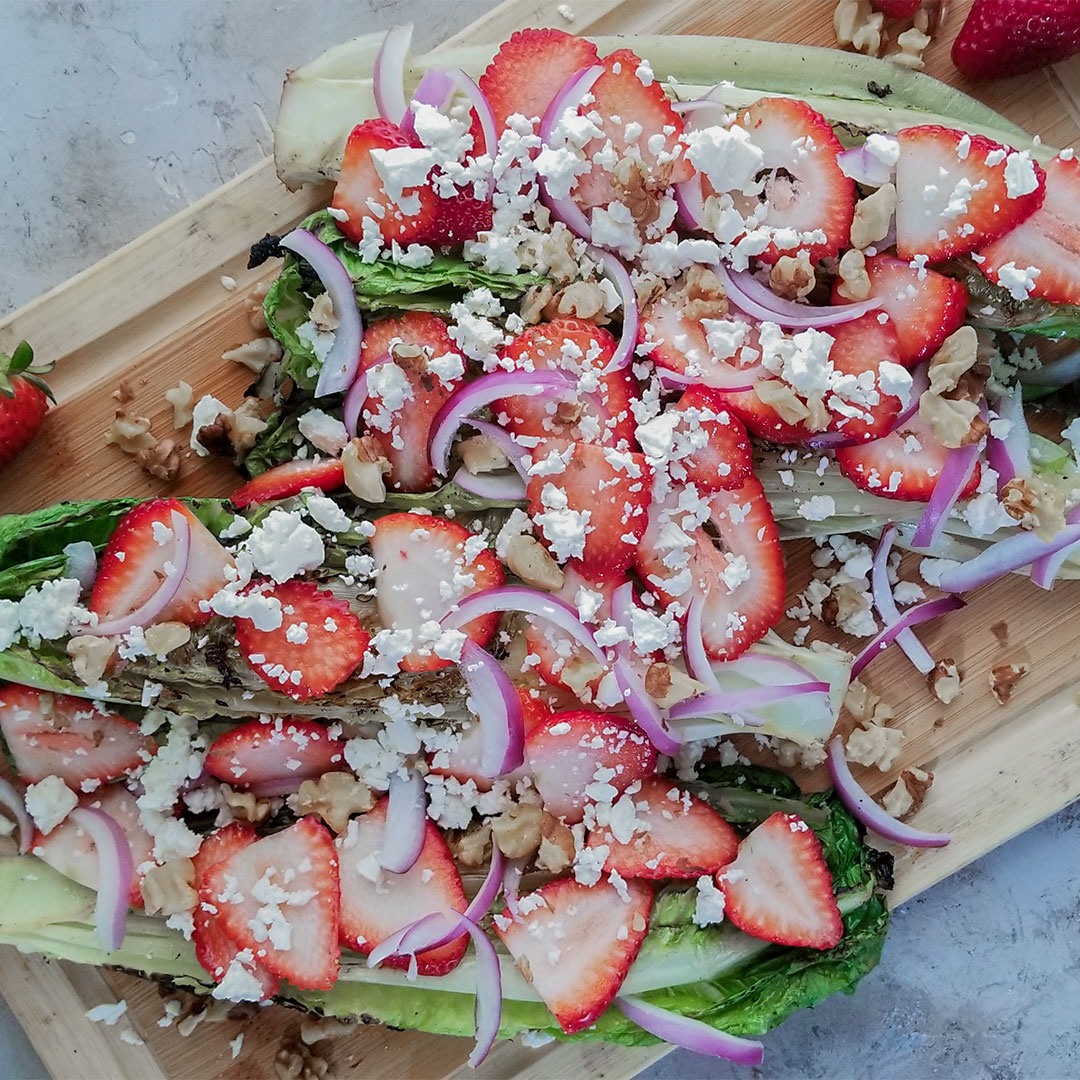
x: 117, y: 114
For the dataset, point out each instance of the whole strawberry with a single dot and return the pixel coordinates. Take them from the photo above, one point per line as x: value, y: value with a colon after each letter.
x: 24, y: 398
x: 1010, y: 37
x: 897, y: 9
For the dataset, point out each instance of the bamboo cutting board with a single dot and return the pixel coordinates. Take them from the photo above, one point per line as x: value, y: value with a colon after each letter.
x: 999, y: 770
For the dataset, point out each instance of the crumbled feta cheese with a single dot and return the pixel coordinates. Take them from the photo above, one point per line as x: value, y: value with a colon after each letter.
x: 49, y: 801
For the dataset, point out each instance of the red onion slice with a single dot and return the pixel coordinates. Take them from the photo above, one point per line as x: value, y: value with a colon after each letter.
x: 690, y: 198
x: 720, y: 376
x: 175, y: 569
x: 498, y: 487
x: 912, y: 617
x: 388, y: 77
x: 864, y: 809
x: 619, y: 276
x: 863, y: 167
x: 406, y: 823
x: 689, y: 1033
x: 436, y: 89
x: 540, y: 605
x: 912, y: 647
x: 115, y: 873
x: 339, y: 367
x: 998, y: 559
x: 497, y: 705
x: 513, y: 872
x: 568, y: 98
x: 697, y: 659
x: 12, y: 801
x: 493, y: 882
x: 1044, y: 570
x: 645, y: 712
x: 354, y: 404
x: 1010, y: 457
x: 475, y: 395
x: 758, y: 301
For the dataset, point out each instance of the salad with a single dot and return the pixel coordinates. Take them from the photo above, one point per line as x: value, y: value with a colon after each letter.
x: 453, y: 715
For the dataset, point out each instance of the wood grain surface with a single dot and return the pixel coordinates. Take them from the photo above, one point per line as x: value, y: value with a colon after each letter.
x: 999, y: 770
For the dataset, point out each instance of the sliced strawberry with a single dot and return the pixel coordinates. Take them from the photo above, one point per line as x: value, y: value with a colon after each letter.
x: 1049, y: 240
x: 69, y: 849
x: 423, y: 567
x: 554, y: 654
x: 54, y: 734
x: 458, y: 220
x: 214, y: 949
x: 280, y: 897
x: 905, y: 464
x: 404, y: 393
x: 779, y: 888
x: 317, y: 647
x: 711, y: 448
x: 571, y: 750
x: 278, y: 748
x: 741, y: 583
x: 686, y: 837
x: 376, y: 903
x: 635, y: 115
x: 133, y: 565
x: 809, y: 201
x: 859, y: 347
x: 953, y: 192
x: 377, y: 148
x: 530, y: 68
x: 925, y: 306
x: 600, y: 415
x: 290, y: 478
x: 575, y: 944
x: 607, y: 491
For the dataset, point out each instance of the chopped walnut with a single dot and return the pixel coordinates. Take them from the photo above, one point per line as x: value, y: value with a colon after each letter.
x: 246, y: 425
x: 580, y: 299
x: 865, y: 705
x: 130, y: 433
x: 858, y: 25
x: 245, y: 806
x: 123, y: 393
x: 1037, y: 504
x: 954, y: 423
x: 335, y: 797
x: 365, y: 467
x: 957, y: 354
x: 699, y: 294
x: 874, y: 745
x: 161, y: 460
x: 170, y: 888
x: 853, y: 282
x: 790, y: 754
x: 579, y: 673
x: 792, y: 276
x: 637, y: 190
x: 668, y: 685
x: 182, y: 399
x: 535, y: 300
x: 517, y: 832
x: 162, y: 638
x: 298, y: 1062
x: 471, y: 847
x: 781, y: 397
x: 257, y: 355
x: 873, y: 217
x: 90, y: 656
x: 907, y: 794
x: 912, y: 43
x: 647, y: 288
x: 945, y: 681
x: 323, y: 314
x: 554, y: 255
x: 568, y: 412
x: 556, y: 851
x: 481, y: 454
x: 1004, y: 678
x: 532, y: 562
x: 314, y: 1029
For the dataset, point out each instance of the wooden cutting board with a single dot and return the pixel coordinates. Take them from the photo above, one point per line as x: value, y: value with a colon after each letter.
x: 148, y: 319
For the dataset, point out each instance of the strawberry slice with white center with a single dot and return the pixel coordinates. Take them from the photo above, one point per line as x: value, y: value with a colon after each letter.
x: 636, y: 118
x: 556, y: 657
x: 529, y: 69
x: 383, y: 186
x: 925, y: 307
x: 686, y: 837
x: 412, y: 367
x: 582, y: 757
x: 597, y: 410
x: 133, y: 565
x: 732, y: 561
x: 779, y: 887
x: 589, y: 503
x: 69, y: 849
x: 575, y: 944
x: 1048, y: 241
x: 710, y: 447
x: 318, y: 645
x: 905, y: 464
x: 290, y: 478
x: 956, y: 192
x: 280, y: 897
x: 55, y: 734
x: 281, y: 748
x: 423, y: 567
x: 808, y: 201
x: 214, y: 949
x: 376, y: 903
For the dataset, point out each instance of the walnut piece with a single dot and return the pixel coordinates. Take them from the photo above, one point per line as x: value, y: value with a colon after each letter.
x: 853, y: 282
x: 912, y: 43
x: 130, y: 433
x: 365, y: 468
x: 858, y: 25
x: 532, y: 562
x: 257, y: 355
x: 245, y: 806
x: 636, y: 190
x: 299, y: 1063
x: 954, y: 423
x: 1036, y: 503
x: 534, y: 302
x: 182, y: 399
x: 699, y: 294
x: 579, y: 673
x: 865, y: 705
x: 873, y: 216
x: 481, y: 454
x: 314, y: 1029
x: 790, y: 754
x: 162, y: 638
x: 517, y: 832
x: 556, y: 851
x: 906, y: 796
x: 957, y: 354
x: 1004, y: 678
x: 169, y: 889
x: 874, y: 745
x: 668, y: 685
x: 471, y: 847
x: 246, y: 425
x: 580, y: 299
x: 90, y: 656
x: 335, y: 797
x: 945, y: 681
x: 161, y: 460
x: 792, y: 276
x: 323, y: 314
